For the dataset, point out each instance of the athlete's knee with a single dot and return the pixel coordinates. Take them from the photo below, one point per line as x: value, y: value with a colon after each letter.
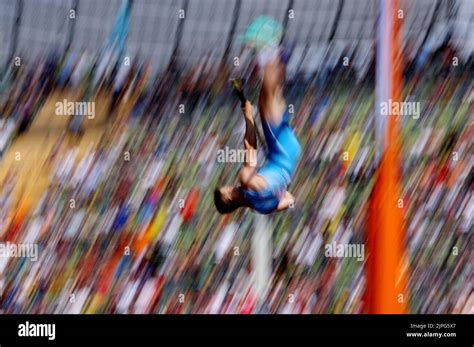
x: 256, y: 183
x: 250, y: 180
x: 245, y: 175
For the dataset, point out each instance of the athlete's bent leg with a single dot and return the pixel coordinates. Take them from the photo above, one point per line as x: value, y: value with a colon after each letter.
x: 247, y: 175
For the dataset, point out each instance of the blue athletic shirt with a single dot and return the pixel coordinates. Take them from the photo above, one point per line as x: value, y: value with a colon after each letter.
x: 283, y: 153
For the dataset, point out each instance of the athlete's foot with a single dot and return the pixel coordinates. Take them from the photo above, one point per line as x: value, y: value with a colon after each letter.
x: 269, y: 54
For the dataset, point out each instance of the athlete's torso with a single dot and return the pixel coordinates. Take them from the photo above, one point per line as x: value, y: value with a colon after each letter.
x: 282, y: 158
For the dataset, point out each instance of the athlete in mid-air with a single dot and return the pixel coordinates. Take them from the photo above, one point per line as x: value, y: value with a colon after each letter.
x: 264, y: 189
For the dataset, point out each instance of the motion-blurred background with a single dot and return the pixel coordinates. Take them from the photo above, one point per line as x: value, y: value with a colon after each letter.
x: 120, y: 205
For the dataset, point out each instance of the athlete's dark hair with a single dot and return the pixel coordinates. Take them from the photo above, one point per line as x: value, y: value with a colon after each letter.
x: 224, y: 205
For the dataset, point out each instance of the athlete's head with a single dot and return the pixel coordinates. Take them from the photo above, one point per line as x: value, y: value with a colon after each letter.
x: 227, y: 199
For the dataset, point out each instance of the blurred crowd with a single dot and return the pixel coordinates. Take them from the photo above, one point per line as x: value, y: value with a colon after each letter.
x: 130, y: 226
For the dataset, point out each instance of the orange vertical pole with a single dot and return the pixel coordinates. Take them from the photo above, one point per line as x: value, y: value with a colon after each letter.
x: 386, y: 273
